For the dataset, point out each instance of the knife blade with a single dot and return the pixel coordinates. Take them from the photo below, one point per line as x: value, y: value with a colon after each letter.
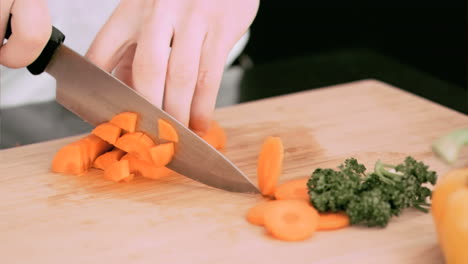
x: 96, y: 96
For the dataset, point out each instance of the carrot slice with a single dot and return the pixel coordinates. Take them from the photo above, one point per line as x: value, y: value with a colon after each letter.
x: 256, y: 214
x: 332, y: 221
x: 69, y: 160
x: 95, y: 147
x: 126, y: 121
x: 167, y: 131
x: 147, y: 169
x: 117, y: 171
x: 77, y: 157
x: 293, y: 190
x: 129, y: 178
x: 146, y: 140
x: 215, y: 136
x: 291, y: 220
x: 162, y: 154
x: 270, y: 163
x: 108, y: 132
x: 222, y: 137
x: 132, y: 143
x: 108, y: 158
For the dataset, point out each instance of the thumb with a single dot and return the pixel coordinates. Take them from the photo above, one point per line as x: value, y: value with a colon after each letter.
x: 31, y: 28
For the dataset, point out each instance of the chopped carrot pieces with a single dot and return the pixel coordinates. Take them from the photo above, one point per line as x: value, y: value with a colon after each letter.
x: 146, y: 140
x: 167, y: 131
x: 147, y: 169
x: 270, y: 163
x: 295, y: 189
x: 77, y: 157
x: 291, y: 220
x: 129, y: 178
x: 332, y: 221
x: 117, y: 171
x: 162, y: 154
x: 108, y: 158
x: 126, y: 121
x: 69, y: 160
x: 95, y: 146
x: 108, y: 132
x: 215, y: 136
x: 132, y: 143
x: 256, y: 214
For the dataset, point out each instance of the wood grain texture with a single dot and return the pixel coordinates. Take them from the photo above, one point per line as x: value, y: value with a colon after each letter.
x: 51, y: 218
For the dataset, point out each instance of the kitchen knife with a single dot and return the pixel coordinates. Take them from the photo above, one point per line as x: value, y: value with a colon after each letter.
x: 96, y: 96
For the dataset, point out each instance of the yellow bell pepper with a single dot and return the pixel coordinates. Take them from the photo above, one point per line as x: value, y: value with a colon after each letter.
x: 450, y: 215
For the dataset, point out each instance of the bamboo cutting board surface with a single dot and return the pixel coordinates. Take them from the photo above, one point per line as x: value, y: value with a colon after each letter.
x: 51, y: 218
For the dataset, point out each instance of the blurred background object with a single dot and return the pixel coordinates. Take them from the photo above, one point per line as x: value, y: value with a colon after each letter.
x: 296, y: 45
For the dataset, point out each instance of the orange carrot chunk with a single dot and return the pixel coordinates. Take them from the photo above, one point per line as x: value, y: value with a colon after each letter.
x: 222, y: 137
x: 95, y: 146
x: 129, y: 178
x: 117, y: 171
x: 270, y: 163
x: 108, y: 158
x: 162, y: 154
x: 332, y: 221
x: 126, y: 121
x: 69, y: 160
x: 167, y: 131
x: 147, y: 169
x: 132, y: 143
x: 215, y: 136
x: 108, y: 132
x: 293, y: 190
x: 77, y: 157
x: 256, y: 214
x: 291, y: 220
x: 146, y: 140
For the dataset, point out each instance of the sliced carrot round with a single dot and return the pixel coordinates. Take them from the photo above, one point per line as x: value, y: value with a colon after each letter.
x: 256, y: 214
x: 108, y: 132
x: 294, y: 189
x: 69, y: 160
x: 291, y: 220
x: 95, y: 146
x: 147, y: 169
x: 134, y: 144
x: 117, y: 171
x: 126, y: 121
x: 332, y: 221
x: 146, y: 140
x: 108, y: 158
x: 215, y: 136
x: 162, y: 154
x: 166, y: 131
x: 270, y: 165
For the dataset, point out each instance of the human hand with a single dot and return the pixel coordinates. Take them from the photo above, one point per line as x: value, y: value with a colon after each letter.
x: 31, y: 28
x: 173, y: 51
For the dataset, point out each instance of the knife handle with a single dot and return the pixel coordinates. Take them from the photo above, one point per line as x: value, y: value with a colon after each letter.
x: 40, y: 64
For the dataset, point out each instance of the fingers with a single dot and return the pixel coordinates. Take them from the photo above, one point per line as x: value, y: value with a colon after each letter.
x: 151, y: 58
x: 31, y: 29
x: 5, y: 8
x: 213, y: 59
x: 182, y: 71
x: 115, y: 37
x: 123, y: 71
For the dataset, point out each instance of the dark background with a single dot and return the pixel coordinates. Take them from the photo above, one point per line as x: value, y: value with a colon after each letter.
x: 417, y: 45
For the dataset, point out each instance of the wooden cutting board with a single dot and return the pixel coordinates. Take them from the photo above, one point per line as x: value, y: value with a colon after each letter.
x: 50, y: 218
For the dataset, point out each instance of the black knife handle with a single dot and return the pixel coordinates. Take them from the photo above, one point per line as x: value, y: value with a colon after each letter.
x: 40, y: 64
